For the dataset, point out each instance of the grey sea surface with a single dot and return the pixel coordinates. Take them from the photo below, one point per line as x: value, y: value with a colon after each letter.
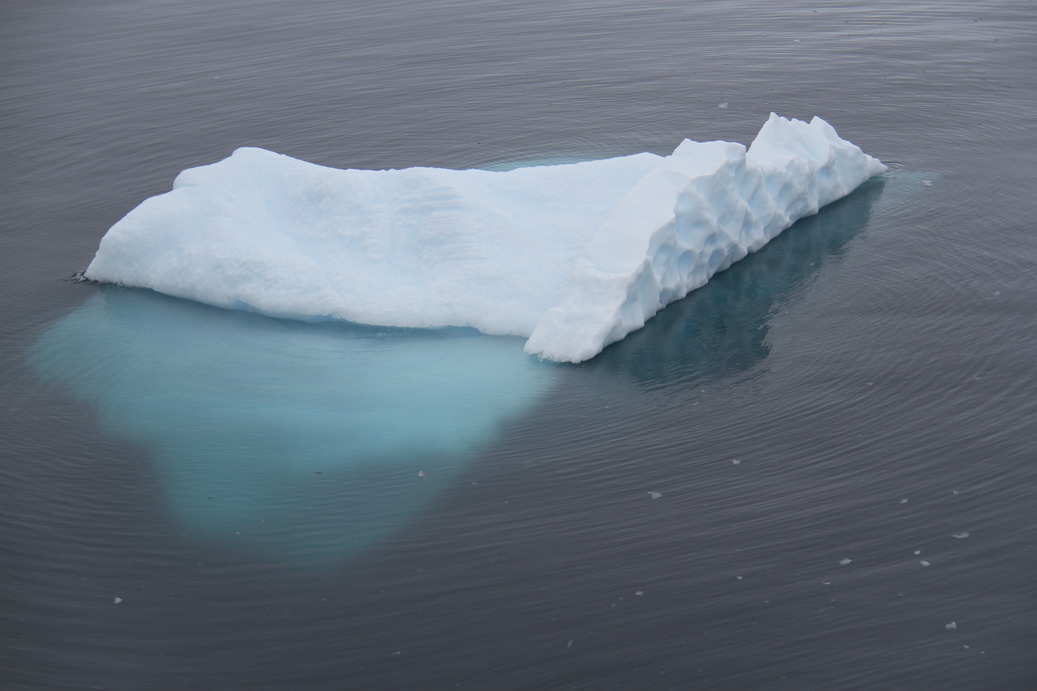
x: 818, y: 471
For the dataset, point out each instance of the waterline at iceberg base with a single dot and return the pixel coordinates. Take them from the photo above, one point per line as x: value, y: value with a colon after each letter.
x: 573, y: 257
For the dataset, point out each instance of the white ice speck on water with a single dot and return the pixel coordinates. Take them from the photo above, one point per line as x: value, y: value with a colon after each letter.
x: 903, y: 501
x: 722, y: 105
x: 962, y: 535
x: 826, y: 582
x: 917, y: 552
x: 639, y: 593
x: 569, y: 644
x: 845, y: 561
x: 738, y: 578
x: 951, y: 627
x: 927, y: 183
x: 116, y: 600
x: 655, y: 495
x: 923, y: 562
x: 421, y: 473
x: 736, y: 461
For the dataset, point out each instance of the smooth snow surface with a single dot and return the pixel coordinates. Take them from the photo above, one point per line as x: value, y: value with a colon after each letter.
x: 573, y: 256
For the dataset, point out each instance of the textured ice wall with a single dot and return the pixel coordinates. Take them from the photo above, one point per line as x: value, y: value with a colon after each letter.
x: 573, y: 256
x: 703, y: 208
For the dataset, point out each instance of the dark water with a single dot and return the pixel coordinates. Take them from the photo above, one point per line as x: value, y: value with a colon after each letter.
x: 288, y: 506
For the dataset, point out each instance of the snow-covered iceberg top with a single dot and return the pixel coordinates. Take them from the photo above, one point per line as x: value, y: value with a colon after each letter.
x: 574, y: 257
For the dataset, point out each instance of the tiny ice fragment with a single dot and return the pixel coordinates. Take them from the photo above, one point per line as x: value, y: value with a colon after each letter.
x: 923, y: 562
x: 927, y: 183
x: 827, y: 582
x: 845, y: 561
x: 903, y: 501
x: 952, y: 626
x: 639, y: 593
x: 116, y: 600
x: 722, y: 105
x: 569, y: 644
x: 736, y: 461
x: 962, y: 535
x: 917, y: 552
x: 738, y: 578
x: 655, y: 495
x: 421, y: 473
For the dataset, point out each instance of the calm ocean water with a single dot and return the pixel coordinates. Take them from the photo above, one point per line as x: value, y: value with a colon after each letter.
x: 818, y: 471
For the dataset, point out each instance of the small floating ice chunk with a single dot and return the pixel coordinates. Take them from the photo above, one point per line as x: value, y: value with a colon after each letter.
x: 116, y: 600
x: 738, y: 578
x: 844, y: 561
x: 923, y: 562
x: 736, y: 461
x: 655, y: 495
x: 962, y: 535
x: 917, y: 552
x: 903, y: 501
x: 639, y: 593
x: 927, y: 183
x: 722, y: 105
x: 951, y: 626
x: 570, y: 643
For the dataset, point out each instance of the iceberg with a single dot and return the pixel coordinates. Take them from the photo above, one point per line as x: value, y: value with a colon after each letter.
x: 572, y: 257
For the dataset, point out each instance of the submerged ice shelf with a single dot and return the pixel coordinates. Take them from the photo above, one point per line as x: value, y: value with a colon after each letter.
x: 573, y: 256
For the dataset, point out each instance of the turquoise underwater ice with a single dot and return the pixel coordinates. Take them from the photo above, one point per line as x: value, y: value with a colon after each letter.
x: 302, y: 440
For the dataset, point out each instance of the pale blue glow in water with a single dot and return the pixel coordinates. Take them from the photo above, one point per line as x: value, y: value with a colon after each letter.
x: 307, y: 439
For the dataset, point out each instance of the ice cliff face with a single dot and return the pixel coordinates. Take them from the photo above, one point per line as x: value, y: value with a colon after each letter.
x: 700, y: 210
x: 573, y: 256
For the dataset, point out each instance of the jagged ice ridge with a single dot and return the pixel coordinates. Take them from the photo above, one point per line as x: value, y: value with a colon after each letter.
x: 574, y: 256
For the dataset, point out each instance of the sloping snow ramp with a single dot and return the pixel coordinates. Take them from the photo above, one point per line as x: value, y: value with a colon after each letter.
x: 573, y: 256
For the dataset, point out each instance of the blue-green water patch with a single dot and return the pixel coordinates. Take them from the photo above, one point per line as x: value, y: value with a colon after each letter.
x: 304, y: 440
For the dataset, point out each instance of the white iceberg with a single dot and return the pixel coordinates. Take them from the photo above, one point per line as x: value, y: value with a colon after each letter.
x: 574, y: 256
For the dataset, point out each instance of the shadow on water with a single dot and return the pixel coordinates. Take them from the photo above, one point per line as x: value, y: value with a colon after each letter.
x: 302, y: 441
x: 720, y: 330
